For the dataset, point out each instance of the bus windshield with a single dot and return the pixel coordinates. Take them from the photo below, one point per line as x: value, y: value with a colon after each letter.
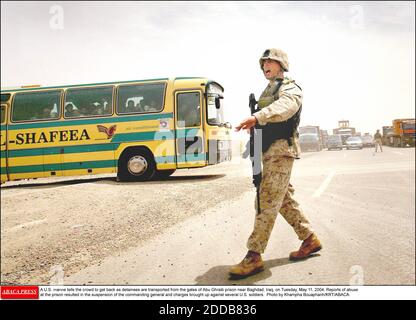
x: 215, y: 115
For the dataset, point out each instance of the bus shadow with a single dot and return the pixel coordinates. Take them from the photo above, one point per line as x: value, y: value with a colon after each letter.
x: 190, y: 178
x: 45, y: 185
x: 179, y: 179
x: 113, y: 181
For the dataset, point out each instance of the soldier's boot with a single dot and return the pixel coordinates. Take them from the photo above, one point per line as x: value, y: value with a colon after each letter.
x: 250, y: 265
x: 309, y: 246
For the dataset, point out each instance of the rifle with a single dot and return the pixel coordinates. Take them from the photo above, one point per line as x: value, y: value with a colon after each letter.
x: 255, y: 151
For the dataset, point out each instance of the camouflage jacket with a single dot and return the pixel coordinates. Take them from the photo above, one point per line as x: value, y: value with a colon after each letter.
x: 272, y: 110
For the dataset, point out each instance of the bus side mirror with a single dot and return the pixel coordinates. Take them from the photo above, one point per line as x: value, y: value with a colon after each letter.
x: 217, y: 102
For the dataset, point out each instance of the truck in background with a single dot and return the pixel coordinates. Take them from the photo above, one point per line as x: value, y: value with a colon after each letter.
x: 387, y: 139
x: 368, y: 140
x: 324, y: 137
x: 344, y: 130
x: 403, y: 133
x: 310, y: 138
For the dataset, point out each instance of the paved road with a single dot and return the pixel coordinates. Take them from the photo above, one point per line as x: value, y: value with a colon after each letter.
x: 192, y: 228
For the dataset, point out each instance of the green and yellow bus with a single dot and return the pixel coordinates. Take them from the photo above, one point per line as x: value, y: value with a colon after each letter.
x: 140, y: 129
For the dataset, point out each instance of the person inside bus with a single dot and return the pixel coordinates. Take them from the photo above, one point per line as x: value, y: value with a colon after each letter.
x: 138, y: 107
x: 89, y: 110
x: 149, y: 106
x: 84, y: 111
x: 46, y: 114
x: 54, y: 113
x: 189, y: 114
x: 94, y: 108
x: 100, y: 109
x: 69, y: 110
x: 105, y: 106
x: 130, y: 106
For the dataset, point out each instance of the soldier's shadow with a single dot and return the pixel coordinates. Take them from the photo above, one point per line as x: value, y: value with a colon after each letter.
x: 219, y: 275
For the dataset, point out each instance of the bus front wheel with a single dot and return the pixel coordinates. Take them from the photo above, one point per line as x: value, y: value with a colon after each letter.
x: 136, y: 165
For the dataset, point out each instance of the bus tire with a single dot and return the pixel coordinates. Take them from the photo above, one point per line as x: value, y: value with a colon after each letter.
x: 164, y: 174
x: 136, y: 165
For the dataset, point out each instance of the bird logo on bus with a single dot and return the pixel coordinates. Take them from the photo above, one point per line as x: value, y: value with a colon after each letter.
x: 108, y: 131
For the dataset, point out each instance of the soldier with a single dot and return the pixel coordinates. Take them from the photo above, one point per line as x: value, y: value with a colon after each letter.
x: 280, y: 107
x: 377, y: 140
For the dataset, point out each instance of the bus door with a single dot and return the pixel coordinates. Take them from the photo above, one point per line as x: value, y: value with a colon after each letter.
x: 190, y: 146
x: 3, y: 142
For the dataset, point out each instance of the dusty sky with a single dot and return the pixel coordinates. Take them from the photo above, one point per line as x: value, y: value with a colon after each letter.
x: 353, y: 60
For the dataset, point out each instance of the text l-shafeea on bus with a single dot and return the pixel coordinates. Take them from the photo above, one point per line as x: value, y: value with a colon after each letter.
x: 138, y: 129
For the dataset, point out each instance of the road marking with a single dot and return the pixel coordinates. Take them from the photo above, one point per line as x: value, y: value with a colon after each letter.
x: 324, y: 184
x: 27, y: 224
x: 399, y: 153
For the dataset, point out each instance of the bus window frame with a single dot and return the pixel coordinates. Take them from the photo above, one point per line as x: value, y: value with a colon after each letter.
x: 3, y: 106
x: 37, y: 120
x: 8, y: 97
x: 216, y: 95
x: 113, y: 87
x: 165, y: 83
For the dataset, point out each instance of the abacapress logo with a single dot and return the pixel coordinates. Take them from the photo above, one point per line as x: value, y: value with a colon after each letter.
x: 20, y: 292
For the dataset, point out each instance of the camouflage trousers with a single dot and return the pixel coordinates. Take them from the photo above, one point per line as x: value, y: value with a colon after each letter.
x: 276, y: 195
x: 377, y: 143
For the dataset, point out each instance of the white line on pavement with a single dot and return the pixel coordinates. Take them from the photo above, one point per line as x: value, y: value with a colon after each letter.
x: 399, y: 153
x: 324, y: 184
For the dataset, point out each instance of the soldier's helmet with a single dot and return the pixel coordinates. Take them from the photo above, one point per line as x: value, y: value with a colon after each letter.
x: 275, y: 54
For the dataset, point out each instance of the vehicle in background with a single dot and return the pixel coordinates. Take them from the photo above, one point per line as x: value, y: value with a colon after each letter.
x: 344, y: 130
x: 387, y: 138
x: 368, y: 141
x: 403, y: 133
x: 309, y: 142
x: 324, y: 137
x: 354, y: 143
x: 345, y: 134
x: 334, y: 142
x: 312, y: 130
x: 140, y: 129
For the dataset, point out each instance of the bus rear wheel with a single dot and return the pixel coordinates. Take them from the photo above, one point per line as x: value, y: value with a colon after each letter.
x: 136, y: 165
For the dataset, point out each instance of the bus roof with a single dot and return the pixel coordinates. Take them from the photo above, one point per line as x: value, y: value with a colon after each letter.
x: 38, y: 87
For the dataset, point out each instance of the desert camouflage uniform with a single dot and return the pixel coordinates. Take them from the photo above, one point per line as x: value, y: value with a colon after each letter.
x: 276, y: 192
x: 377, y: 141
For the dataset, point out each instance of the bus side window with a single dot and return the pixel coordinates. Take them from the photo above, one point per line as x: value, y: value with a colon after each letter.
x: 141, y: 98
x: 87, y: 102
x: 43, y: 105
x: 188, y: 106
